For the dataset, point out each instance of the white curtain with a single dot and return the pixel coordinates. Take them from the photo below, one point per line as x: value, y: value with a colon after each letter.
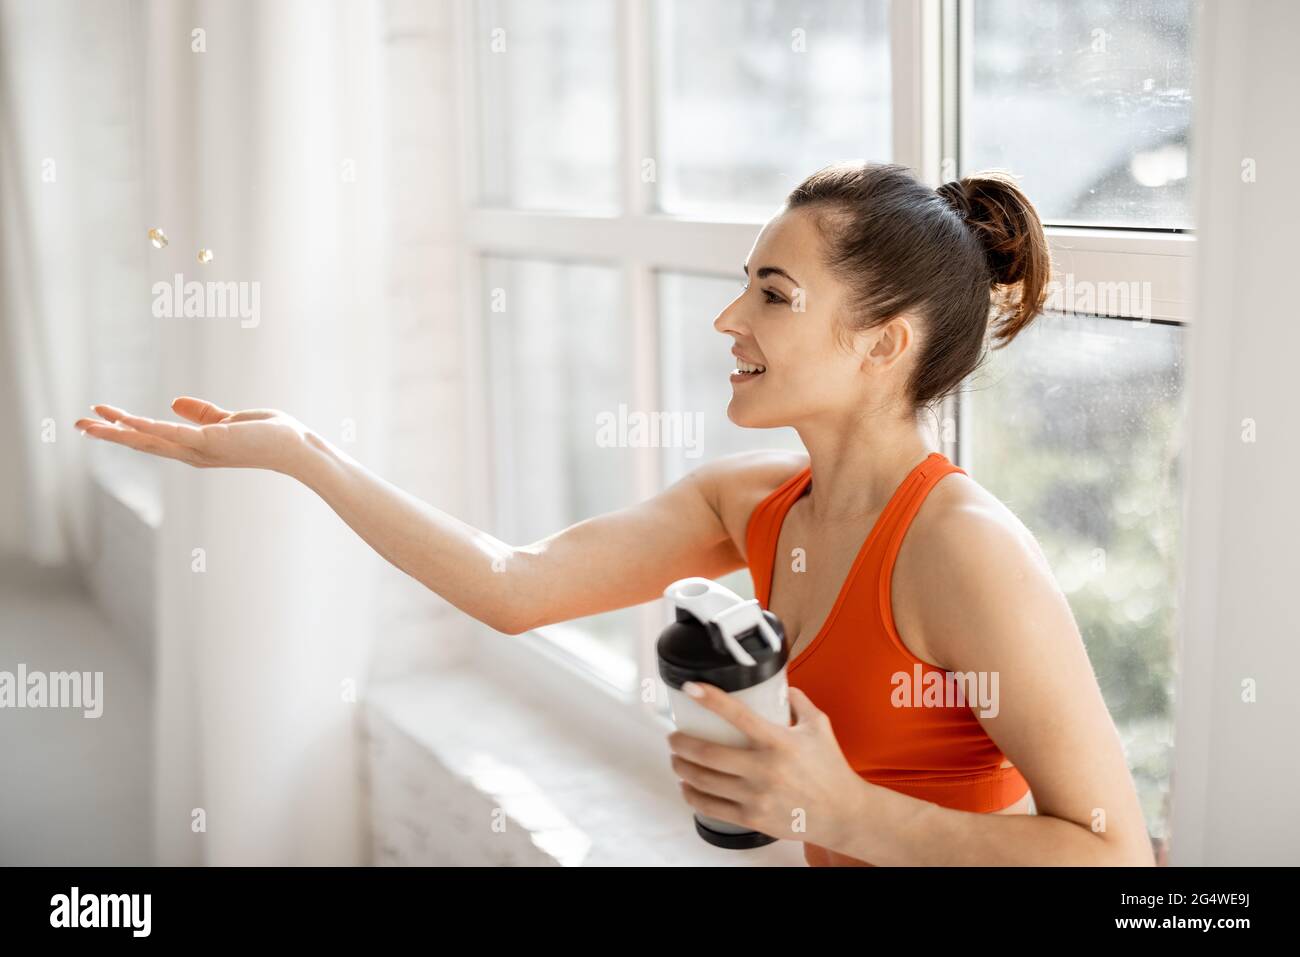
x: 252, y: 129
x: 60, y: 137
x: 262, y: 148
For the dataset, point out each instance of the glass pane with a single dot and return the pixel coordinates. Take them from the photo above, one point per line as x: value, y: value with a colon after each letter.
x: 546, y: 106
x: 1090, y: 102
x: 1076, y: 427
x: 559, y: 356
x: 695, y: 369
x: 753, y: 95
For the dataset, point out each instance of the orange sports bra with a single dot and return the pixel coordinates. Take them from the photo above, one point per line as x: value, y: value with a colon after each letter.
x: 936, y: 753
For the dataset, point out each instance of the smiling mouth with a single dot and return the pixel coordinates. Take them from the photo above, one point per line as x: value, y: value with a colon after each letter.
x: 747, y: 370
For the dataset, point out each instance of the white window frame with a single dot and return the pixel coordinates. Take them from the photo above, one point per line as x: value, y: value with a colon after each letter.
x: 930, y: 60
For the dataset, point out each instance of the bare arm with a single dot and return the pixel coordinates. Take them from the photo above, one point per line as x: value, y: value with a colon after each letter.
x: 614, y: 560
x: 611, y: 561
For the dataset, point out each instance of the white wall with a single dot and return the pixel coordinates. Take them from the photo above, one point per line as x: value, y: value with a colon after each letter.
x: 1236, y: 783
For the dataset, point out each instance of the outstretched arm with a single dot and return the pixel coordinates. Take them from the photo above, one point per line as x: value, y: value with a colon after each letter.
x: 611, y: 561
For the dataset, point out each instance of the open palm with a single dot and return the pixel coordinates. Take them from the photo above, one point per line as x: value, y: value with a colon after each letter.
x: 219, y: 438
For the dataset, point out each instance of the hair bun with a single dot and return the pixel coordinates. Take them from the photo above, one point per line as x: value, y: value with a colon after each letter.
x: 954, y: 194
x: 1006, y: 224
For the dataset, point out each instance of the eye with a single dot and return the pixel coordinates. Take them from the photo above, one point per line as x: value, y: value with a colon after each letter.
x: 772, y: 297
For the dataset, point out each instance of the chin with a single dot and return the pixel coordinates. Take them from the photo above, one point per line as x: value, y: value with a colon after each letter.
x: 743, y: 414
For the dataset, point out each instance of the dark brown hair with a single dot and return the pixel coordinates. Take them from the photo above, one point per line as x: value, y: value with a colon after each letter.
x: 970, y: 258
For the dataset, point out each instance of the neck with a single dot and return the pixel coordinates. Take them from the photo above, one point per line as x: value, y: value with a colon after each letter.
x: 858, y: 462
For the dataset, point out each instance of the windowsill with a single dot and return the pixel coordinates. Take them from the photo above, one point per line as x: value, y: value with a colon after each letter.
x: 610, y: 795
x: 581, y: 651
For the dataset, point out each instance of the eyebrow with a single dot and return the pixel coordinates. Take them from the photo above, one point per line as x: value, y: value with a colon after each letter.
x: 765, y: 271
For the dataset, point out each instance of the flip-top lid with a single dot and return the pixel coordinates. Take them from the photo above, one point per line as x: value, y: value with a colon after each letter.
x: 718, y: 638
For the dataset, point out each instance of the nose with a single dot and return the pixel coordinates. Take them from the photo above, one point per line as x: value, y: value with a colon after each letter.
x: 729, y: 320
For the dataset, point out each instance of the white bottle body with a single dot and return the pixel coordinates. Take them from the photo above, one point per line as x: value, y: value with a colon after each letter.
x: 770, y: 699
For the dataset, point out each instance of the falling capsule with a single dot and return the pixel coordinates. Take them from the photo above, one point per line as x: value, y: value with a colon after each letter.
x: 157, y: 237
x: 205, y: 256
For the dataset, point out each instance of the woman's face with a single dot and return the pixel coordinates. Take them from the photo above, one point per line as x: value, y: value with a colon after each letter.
x: 786, y: 322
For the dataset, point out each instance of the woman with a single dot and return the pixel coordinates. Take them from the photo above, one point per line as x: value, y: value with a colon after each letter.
x: 870, y: 297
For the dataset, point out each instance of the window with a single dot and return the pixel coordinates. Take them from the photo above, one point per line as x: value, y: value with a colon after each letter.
x: 1090, y: 102
x: 560, y: 359
x: 1076, y: 427
x: 626, y: 153
x: 551, y: 138
x: 751, y: 96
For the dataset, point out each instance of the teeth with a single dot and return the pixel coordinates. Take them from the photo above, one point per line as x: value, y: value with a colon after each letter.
x: 744, y: 366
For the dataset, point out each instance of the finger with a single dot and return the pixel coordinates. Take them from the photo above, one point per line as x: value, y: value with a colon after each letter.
x: 741, y: 762
x: 711, y: 806
x: 730, y: 708
x: 713, y: 782
x: 139, y: 441
x: 83, y: 425
x: 109, y: 413
x: 198, y: 410
x: 186, y: 435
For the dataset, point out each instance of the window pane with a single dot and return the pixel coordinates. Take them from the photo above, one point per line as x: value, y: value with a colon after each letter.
x: 1076, y: 428
x: 695, y: 368
x: 753, y: 95
x: 548, y: 89
x: 1090, y: 102
x: 559, y: 355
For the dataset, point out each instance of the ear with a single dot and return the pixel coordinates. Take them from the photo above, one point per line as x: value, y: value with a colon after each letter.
x: 891, y: 341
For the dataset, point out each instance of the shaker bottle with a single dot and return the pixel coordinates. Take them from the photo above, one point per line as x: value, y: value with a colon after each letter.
x: 718, y: 638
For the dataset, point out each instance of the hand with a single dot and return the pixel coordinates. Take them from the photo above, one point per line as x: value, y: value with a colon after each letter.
x: 255, y: 438
x: 787, y: 770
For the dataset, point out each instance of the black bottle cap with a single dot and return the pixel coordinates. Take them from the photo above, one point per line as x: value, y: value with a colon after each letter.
x: 692, y: 650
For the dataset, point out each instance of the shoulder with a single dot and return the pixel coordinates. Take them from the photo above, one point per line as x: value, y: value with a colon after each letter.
x: 960, y: 519
x: 969, y: 571
x: 735, y: 484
